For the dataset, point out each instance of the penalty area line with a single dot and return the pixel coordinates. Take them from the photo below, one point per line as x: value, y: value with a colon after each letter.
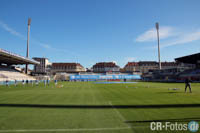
x: 123, y: 118
x: 119, y: 114
x: 64, y: 130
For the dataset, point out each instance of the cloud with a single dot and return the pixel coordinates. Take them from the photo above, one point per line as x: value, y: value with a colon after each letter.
x: 151, y: 34
x: 171, y: 35
x: 184, y: 38
x: 47, y: 46
x: 11, y: 31
x: 17, y: 34
x: 59, y: 50
x: 129, y: 59
x: 44, y: 45
x: 35, y: 41
x: 114, y: 62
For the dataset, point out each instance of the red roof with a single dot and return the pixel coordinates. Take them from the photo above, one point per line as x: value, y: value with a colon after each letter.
x: 150, y: 63
x: 132, y: 64
x: 105, y: 64
x: 66, y: 64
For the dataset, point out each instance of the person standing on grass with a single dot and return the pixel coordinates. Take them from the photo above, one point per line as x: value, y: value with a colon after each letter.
x: 31, y: 81
x: 55, y: 82
x: 15, y: 82
x: 27, y: 81
x: 23, y: 82
x: 36, y: 82
x: 45, y: 82
x: 187, y: 84
x: 7, y: 84
x: 48, y: 81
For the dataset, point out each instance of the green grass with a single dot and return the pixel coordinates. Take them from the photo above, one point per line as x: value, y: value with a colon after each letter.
x: 85, y: 106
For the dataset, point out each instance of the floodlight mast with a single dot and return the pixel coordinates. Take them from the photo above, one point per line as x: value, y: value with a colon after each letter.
x: 27, y: 52
x: 157, y: 28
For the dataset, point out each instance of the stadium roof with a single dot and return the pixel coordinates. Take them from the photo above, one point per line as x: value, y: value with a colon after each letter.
x: 191, y: 59
x: 7, y: 57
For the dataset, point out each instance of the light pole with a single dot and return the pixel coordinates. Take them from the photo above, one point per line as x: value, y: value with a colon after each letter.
x: 157, y: 28
x: 27, y: 51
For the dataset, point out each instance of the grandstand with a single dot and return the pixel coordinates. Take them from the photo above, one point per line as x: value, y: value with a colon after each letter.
x: 190, y: 59
x: 10, y: 58
x: 10, y: 74
x: 187, y: 67
x: 193, y: 74
x: 8, y: 71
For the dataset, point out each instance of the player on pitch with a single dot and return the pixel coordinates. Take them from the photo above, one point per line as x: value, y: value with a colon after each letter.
x: 187, y: 84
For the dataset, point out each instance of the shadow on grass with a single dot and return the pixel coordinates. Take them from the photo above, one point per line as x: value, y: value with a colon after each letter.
x: 165, y: 120
x: 170, y: 92
x: 10, y: 105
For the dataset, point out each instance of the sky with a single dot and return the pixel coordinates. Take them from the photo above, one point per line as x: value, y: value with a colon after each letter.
x: 91, y: 31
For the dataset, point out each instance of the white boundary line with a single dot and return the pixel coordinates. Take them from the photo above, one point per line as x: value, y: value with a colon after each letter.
x: 65, y: 130
x: 123, y: 119
x: 119, y: 114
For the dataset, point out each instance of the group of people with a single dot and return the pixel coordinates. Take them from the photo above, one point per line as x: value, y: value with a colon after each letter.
x: 36, y: 82
x: 47, y: 82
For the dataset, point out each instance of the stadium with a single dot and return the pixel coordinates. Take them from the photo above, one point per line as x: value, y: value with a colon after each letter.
x: 99, y: 101
x: 41, y: 94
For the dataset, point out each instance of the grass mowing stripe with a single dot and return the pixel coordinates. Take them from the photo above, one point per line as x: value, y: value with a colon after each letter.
x: 88, y: 106
x: 65, y: 130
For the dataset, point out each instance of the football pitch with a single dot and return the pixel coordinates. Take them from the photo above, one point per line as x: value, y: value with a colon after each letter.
x: 100, y: 108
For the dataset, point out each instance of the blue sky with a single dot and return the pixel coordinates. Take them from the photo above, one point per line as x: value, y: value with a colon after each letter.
x: 90, y: 31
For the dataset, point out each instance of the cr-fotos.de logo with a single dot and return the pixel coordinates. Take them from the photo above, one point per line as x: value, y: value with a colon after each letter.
x: 192, y: 126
